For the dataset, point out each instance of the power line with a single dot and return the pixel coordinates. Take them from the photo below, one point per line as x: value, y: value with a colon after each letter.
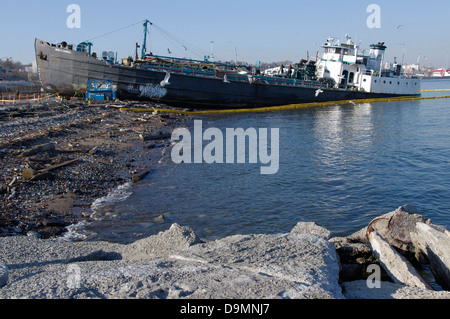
x: 103, y: 35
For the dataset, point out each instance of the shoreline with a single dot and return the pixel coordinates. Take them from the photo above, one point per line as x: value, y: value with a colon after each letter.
x: 306, y: 263
x: 58, y: 158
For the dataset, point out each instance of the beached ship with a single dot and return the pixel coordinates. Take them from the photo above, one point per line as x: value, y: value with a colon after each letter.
x: 341, y: 73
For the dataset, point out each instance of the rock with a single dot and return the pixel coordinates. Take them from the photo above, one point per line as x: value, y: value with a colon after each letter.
x: 176, y: 264
x: 298, y: 265
x: 350, y: 252
x: 397, y: 267
x: 163, y: 244
x: 435, y: 244
x: 4, y: 273
x: 33, y: 234
x: 395, y: 227
x: 311, y: 228
x: 159, y: 219
x: 53, y: 222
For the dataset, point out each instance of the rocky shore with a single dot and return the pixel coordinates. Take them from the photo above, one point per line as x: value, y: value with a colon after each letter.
x: 58, y: 157
x: 176, y: 264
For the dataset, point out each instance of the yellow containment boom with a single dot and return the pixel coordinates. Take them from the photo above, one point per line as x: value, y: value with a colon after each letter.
x: 286, y: 107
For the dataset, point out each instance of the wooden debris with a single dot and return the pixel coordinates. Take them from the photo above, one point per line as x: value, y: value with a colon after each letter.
x: 151, y: 137
x: 140, y: 176
x: 39, y: 149
x: 43, y: 174
x: 54, y: 167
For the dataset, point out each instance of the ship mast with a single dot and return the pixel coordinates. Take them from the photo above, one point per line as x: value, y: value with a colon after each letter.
x: 144, y: 44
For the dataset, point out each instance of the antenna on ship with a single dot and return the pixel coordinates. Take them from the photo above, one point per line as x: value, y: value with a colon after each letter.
x: 144, y: 44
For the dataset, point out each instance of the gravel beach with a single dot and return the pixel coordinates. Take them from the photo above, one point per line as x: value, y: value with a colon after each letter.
x: 58, y: 157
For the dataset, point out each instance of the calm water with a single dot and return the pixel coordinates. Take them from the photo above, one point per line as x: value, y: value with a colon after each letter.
x: 340, y: 167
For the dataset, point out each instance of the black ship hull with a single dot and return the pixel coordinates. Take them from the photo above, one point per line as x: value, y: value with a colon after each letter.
x: 67, y: 73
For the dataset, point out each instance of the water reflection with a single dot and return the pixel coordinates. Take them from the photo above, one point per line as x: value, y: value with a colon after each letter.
x: 340, y: 167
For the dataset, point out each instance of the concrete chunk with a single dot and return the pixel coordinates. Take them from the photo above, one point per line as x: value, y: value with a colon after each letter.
x: 397, y: 267
x: 299, y: 265
x: 163, y: 244
x: 435, y: 244
x: 311, y: 228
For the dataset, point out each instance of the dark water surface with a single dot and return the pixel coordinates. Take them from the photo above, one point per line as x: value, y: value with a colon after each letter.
x: 340, y: 166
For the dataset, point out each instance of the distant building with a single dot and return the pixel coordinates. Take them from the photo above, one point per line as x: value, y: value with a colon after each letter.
x: 2, y: 74
x: 440, y: 73
x: 31, y: 68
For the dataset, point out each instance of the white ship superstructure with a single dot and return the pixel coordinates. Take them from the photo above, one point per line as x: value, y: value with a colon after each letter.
x: 345, y: 64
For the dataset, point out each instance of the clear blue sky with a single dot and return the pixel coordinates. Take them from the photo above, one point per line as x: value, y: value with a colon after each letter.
x: 260, y: 29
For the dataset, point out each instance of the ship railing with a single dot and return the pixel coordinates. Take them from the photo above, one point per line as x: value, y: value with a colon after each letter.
x: 231, y: 76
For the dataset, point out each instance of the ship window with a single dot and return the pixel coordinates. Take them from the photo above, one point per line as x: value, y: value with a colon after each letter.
x: 364, y: 80
x: 375, y: 81
x: 384, y: 82
x: 398, y: 83
x: 390, y: 82
x: 352, y: 77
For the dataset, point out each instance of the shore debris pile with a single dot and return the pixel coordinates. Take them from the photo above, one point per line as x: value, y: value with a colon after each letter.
x: 58, y: 157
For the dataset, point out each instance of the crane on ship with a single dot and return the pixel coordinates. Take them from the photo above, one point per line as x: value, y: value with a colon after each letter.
x: 144, y: 44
